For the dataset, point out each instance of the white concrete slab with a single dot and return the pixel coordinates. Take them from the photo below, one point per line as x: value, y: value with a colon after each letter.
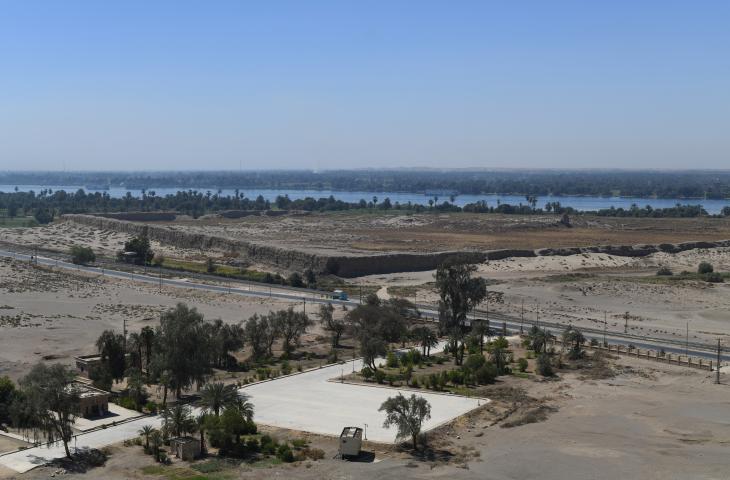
x: 311, y: 403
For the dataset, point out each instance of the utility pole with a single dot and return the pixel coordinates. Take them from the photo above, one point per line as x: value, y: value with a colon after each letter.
x: 686, y: 345
x: 160, y: 278
x: 124, y: 331
x: 305, y: 305
x: 522, y: 315
x: 626, y: 322
x: 717, y: 370
x: 605, y: 326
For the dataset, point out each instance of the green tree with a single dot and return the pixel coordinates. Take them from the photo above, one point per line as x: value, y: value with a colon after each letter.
x: 82, y: 255
x: 544, y: 366
x: 157, y: 441
x: 140, y: 246
x: 260, y: 332
x: 295, y: 280
x: 178, y: 421
x: 50, y: 402
x: 291, y: 325
x: 135, y: 387
x: 147, y: 335
x: 574, y: 339
x: 334, y: 327
x: 705, y: 268
x: 426, y: 338
x: 459, y: 294
x: 146, y: 432
x: 183, y: 347
x: 111, y: 348
x: 8, y: 393
x: 216, y: 396
x: 407, y: 414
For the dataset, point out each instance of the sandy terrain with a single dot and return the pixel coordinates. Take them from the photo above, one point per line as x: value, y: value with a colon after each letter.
x: 54, y: 316
x: 344, y: 232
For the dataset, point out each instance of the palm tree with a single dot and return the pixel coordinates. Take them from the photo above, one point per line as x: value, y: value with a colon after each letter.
x: 573, y: 337
x: 135, y: 387
x: 147, y: 336
x: 217, y: 396
x: 134, y: 347
x: 146, y: 432
x: 498, y: 356
x: 200, y: 424
x: 178, y: 420
x: 427, y: 338
x: 539, y: 339
x: 156, y: 440
x: 244, y: 406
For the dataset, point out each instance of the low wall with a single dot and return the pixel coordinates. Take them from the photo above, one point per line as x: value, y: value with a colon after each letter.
x: 356, y: 265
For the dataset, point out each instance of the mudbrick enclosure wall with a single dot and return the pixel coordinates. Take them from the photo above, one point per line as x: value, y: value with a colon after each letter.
x: 357, y: 265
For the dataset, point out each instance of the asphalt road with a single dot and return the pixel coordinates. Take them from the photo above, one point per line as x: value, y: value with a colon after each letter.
x: 694, y: 349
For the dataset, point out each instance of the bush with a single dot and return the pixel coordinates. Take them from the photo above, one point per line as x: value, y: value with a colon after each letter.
x: 544, y: 367
x: 391, y: 360
x: 486, y: 374
x: 367, y: 373
x: 379, y: 376
x: 522, y: 364
x: 714, y: 278
x: 82, y: 255
x: 151, y: 407
x: 704, y: 268
x: 284, y: 453
x: 315, y: 453
x: 474, y: 362
x: 127, y: 402
x: 664, y: 271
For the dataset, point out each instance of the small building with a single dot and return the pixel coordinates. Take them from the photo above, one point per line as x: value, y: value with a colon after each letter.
x: 185, y: 448
x: 94, y: 401
x: 350, y: 442
x: 86, y: 363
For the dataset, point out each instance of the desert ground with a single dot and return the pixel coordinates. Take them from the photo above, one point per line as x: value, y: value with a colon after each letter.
x: 343, y: 232
x: 52, y: 315
x: 625, y: 417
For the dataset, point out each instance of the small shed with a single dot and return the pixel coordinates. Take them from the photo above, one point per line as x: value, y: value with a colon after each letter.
x: 185, y: 448
x: 86, y: 363
x: 350, y: 441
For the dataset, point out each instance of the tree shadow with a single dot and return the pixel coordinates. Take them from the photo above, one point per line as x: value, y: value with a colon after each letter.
x: 362, y: 457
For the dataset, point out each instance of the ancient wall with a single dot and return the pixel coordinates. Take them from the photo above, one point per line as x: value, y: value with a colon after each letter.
x: 357, y: 265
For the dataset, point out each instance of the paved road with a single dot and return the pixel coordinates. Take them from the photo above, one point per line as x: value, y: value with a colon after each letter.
x: 513, y: 324
x: 28, y: 459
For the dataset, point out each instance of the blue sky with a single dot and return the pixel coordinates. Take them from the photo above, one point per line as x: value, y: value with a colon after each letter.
x: 307, y: 84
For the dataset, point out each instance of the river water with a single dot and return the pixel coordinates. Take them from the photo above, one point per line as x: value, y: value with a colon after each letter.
x: 579, y: 203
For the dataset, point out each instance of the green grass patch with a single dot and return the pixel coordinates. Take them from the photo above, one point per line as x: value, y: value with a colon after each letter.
x: 184, y: 473
x: 220, y: 270
x: 671, y: 279
x: 17, y: 222
x: 568, y: 277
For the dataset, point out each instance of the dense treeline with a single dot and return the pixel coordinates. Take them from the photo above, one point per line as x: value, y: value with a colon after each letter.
x: 47, y: 204
x: 661, y: 184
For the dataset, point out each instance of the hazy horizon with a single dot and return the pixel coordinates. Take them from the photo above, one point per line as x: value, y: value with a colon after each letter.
x: 195, y: 86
